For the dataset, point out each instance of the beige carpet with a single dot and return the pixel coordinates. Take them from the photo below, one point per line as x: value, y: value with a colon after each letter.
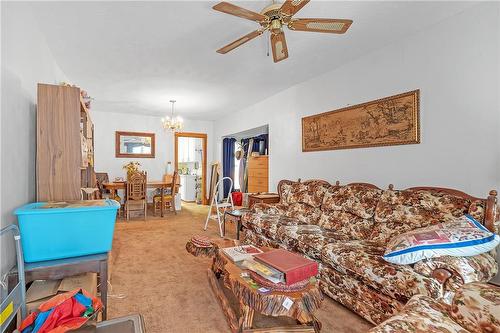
x: 152, y: 274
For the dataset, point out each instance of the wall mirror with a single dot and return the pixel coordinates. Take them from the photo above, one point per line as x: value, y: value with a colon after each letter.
x: 134, y: 144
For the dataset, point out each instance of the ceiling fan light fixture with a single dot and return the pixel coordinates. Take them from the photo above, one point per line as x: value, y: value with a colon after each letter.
x: 272, y: 19
x: 276, y: 25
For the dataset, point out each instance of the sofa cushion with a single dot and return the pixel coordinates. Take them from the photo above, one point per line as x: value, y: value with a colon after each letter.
x: 346, y: 223
x: 251, y: 237
x: 402, y: 211
x: 364, y: 260
x: 469, y: 269
x: 420, y: 314
x: 267, y: 224
x: 420, y: 208
x: 359, y: 200
x: 288, y: 235
x: 477, y: 209
x: 265, y: 208
x: 350, y: 291
x: 303, y: 212
x: 310, y: 193
x: 476, y: 307
x: 311, y: 244
x: 306, y: 239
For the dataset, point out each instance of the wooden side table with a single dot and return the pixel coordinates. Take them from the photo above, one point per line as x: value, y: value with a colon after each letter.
x: 61, y: 268
x: 234, y: 215
x: 269, y: 198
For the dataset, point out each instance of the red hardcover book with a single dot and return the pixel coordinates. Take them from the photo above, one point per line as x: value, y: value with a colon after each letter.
x: 295, y: 267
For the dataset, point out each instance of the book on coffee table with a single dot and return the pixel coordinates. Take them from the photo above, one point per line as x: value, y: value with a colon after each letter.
x: 265, y: 271
x: 295, y: 267
x: 240, y: 253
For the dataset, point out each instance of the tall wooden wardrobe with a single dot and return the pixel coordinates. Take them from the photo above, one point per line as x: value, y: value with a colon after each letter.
x: 65, y: 144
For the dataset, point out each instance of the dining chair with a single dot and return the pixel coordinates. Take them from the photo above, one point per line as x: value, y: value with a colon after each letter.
x: 101, y: 178
x: 168, y: 197
x: 136, y: 193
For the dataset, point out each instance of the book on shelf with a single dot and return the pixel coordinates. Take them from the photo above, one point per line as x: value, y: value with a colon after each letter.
x: 295, y: 267
x: 240, y: 253
x: 263, y: 270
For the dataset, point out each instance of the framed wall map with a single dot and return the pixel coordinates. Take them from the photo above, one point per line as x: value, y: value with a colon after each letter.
x: 388, y: 121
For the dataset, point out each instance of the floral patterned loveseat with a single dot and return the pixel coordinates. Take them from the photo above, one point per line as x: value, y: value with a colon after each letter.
x: 475, y: 308
x: 345, y: 229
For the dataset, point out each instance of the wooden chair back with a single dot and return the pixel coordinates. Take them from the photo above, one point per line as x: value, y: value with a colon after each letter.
x: 173, y: 184
x: 136, y: 186
x: 102, y: 177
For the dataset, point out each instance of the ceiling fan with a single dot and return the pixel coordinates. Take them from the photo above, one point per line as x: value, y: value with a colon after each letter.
x: 273, y: 18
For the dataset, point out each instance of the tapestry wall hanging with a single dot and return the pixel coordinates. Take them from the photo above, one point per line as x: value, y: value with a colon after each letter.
x: 388, y: 121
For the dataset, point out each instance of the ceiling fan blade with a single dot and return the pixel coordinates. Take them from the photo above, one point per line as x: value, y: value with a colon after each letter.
x: 240, y: 41
x: 290, y: 7
x: 334, y: 26
x: 231, y: 9
x: 278, y: 44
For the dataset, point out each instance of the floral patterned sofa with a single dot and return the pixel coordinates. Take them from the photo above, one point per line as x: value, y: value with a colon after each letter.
x: 345, y: 229
x: 475, y: 308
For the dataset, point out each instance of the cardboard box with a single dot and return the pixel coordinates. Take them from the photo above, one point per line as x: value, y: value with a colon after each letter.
x: 41, y: 291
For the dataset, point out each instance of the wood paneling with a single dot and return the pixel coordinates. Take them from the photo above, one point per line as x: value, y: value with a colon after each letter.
x: 59, y: 154
x: 258, y: 174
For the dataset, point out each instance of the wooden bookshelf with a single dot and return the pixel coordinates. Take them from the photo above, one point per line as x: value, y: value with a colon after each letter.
x: 65, y: 144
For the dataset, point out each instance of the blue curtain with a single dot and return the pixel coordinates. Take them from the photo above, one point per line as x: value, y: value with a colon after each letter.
x: 228, y: 162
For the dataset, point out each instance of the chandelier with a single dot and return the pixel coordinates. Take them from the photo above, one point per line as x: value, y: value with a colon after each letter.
x: 171, y: 122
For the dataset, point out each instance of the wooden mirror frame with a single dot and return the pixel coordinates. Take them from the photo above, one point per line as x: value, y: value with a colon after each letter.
x: 118, y: 134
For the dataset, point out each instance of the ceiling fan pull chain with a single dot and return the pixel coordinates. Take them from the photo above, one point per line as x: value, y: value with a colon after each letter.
x: 268, y: 43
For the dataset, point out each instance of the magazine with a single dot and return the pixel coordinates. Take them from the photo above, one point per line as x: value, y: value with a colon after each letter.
x: 240, y: 253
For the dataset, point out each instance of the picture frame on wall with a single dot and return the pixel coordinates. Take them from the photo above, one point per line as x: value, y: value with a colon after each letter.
x: 134, y: 145
x: 393, y: 120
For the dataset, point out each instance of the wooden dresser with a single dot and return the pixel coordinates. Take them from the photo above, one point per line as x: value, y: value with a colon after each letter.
x: 258, y: 174
x: 65, y: 144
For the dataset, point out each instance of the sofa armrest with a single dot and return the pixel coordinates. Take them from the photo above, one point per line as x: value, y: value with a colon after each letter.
x: 265, y: 208
x: 453, y: 272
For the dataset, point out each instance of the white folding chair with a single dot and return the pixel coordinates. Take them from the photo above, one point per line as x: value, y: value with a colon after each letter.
x: 221, y: 206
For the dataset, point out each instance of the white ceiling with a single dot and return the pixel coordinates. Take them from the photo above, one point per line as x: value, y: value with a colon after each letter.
x: 134, y: 57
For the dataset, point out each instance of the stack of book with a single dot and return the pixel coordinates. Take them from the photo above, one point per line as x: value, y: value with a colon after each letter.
x: 280, y: 267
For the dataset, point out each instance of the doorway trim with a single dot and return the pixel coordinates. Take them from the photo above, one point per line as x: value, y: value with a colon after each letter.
x: 203, y: 137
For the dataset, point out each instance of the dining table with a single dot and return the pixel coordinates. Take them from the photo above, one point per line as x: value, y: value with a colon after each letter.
x: 113, y: 187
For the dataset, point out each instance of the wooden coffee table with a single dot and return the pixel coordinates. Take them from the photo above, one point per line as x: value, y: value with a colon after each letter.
x: 299, y: 305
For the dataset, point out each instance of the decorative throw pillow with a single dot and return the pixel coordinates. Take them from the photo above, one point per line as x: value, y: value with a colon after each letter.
x: 462, y: 237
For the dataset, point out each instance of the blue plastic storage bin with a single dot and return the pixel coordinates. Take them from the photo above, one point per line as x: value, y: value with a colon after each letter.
x: 64, y: 230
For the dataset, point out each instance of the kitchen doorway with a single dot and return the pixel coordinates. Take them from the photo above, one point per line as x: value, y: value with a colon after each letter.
x: 191, y: 165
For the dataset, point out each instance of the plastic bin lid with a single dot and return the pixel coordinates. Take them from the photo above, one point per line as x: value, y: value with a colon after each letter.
x: 67, y: 206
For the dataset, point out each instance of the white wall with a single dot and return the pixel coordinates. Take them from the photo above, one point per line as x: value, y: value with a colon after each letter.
x: 455, y: 64
x: 26, y: 60
x: 107, y: 123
